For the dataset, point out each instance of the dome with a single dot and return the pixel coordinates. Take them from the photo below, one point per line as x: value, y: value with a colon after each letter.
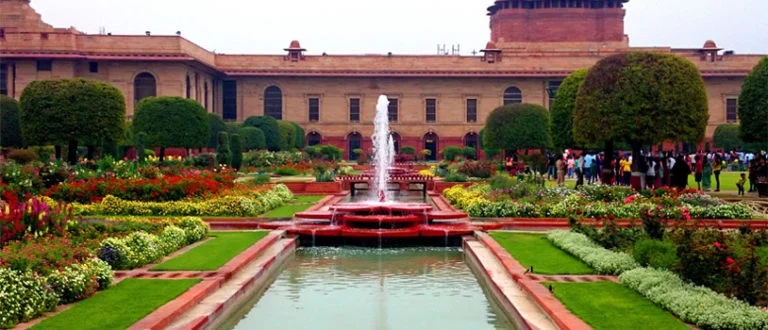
x: 709, y: 44
x: 490, y: 45
x: 295, y: 44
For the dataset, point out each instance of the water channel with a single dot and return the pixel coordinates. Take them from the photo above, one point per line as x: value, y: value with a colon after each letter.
x: 378, y: 289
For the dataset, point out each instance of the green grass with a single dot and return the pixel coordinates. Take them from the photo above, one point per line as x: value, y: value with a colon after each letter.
x: 215, y: 253
x: 120, y: 306
x: 286, y: 211
x: 609, y: 305
x: 535, y: 250
x: 307, y: 199
x: 727, y: 181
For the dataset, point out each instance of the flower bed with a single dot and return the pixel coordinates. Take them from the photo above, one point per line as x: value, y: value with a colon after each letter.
x: 600, y: 259
x: 527, y: 201
x: 248, y: 204
x: 694, y: 304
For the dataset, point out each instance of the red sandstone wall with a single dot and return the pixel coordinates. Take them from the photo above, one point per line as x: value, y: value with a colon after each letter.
x: 558, y: 25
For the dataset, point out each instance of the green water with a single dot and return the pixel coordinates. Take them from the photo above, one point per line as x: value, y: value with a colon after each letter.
x: 381, y: 289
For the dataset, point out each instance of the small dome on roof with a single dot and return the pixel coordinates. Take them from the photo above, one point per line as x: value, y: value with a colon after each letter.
x: 490, y: 45
x: 710, y: 44
x: 295, y: 44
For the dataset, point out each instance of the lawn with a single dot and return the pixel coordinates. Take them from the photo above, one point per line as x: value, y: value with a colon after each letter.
x: 286, y: 211
x: 727, y: 182
x: 609, y: 305
x: 535, y: 250
x: 120, y: 306
x: 214, y: 253
x: 307, y: 199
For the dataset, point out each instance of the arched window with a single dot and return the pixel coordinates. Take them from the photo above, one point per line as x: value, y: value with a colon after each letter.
x: 314, y: 138
x: 273, y: 102
x: 472, y: 140
x: 205, y: 94
x: 189, y: 86
x: 396, y: 141
x: 431, y: 143
x: 143, y: 86
x: 513, y: 95
x: 354, y: 141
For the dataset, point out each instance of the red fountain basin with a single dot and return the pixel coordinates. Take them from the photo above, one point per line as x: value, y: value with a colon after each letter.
x: 486, y: 226
x: 446, y: 230
x: 276, y: 225
x: 316, y: 230
x: 382, y: 218
x: 314, y: 215
x: 380, y: 208
x: 383, y: 233
x: 445, y: 215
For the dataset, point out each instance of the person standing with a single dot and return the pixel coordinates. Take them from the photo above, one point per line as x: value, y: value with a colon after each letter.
x: 570, y: 162
x: 626, y: 170
x: 741, y: 183
x: 551, y: 172
x: 698, y: 172
x: 560, y: 166
x: 706, y: 178
x: 579, y: 168
x: 761, y: 176
x: 717, y: 167
x: 587, y: 167
x: 650, y: 175
x: 680, y: 172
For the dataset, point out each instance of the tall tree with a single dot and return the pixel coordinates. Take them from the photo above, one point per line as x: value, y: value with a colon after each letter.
x: 172, y: 122
x: 216, y: 125
x: 70, y: 111
x: 727, y: 137
x: 753, y: 105
x: 10, y: 131
x: 518, y: 127
x: 269, y: 126
x: 287, y: 135
x: 562, y: 109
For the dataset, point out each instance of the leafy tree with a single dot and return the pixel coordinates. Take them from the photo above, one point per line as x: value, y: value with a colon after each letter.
x: 408, y: 150
x: 643, y: 99
x: 489, y: 152
x: 299, y: 136
x: 69, y: 111
x: 727, y: 137
x: 269, y: 126
x: 223, y: 153
x: 753, y: 105
x: 518, y: 127
x: 216, y: 125
x: 287, y: 135
x: 450, y: 153
x: 562, y: 109
x: 140, y: 151
x: 253, y: 138
x: 10, y: 132
x: 172, y: 122
x: 236, y: 151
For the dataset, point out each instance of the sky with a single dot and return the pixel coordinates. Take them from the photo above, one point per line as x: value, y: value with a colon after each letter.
x: 397, y: 26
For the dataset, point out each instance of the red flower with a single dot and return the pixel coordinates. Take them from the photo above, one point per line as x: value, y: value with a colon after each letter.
x: 717, y: 245
x: 730, y: 261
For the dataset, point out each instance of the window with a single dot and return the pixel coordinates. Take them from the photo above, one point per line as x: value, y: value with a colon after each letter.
x: 144, y: 86
x: 471, y: 110
x: 552, y: 87
x: 513, y: 95
x: 314, y: 138
x: 2, y: 33
x: 189, y: 86
x: 93, y: 67
x: 431, y: 110
x: 205, y: 95
x: 44, y: 65
x: 354, y: 110
x: 392, y: 113
x: 731, y: 110
x: 229, y: 99
x: 3, y: 79
x: 314, y: 109
x: 273, y: 102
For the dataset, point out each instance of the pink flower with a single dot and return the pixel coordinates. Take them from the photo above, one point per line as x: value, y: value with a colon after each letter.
x: 717, y: 245
x: 630, y: 199
x: 729, y: 260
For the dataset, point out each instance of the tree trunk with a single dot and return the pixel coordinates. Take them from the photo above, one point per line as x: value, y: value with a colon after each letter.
x: 57, y: 151
x: 91, y: 154
x: 607, y: 163
x: 162, y: 153
x: 72, y: 152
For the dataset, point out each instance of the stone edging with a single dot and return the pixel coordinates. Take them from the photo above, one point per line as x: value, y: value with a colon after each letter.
x: 551, y: 305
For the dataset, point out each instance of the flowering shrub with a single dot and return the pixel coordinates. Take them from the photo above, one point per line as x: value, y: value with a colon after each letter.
x: 36, y: 216
x: 24, y: 297
x: 167, y: 188
x: 694, y: 304
x: 600, y: 259
x: 173, y: 238
x: 269, y: 159
x: 80, y: 281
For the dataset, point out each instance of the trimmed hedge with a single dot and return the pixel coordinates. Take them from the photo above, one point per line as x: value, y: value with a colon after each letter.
x: 600, y: 259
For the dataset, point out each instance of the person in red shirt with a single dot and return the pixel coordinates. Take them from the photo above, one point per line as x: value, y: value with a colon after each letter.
x: 699, y: 170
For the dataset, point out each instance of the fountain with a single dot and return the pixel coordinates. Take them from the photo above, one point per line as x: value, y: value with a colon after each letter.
x: 380, y: 217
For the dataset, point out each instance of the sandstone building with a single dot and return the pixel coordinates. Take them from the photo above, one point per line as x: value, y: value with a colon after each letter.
x: 436, y: 101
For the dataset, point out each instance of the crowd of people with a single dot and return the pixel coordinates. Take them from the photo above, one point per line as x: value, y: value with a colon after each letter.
x: 662, y: 169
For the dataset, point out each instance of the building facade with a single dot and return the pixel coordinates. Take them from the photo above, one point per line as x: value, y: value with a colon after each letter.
x: 435, y: 101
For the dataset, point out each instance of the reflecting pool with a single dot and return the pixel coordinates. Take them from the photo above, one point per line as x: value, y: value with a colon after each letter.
x: 381, y: 289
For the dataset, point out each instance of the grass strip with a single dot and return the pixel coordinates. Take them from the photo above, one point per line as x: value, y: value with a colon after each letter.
x: 305, y: 199
x: 535, y: 250
x: 213, y: 254
x: 286, y: 211
x: 120, y: 306
x: 609, y: 305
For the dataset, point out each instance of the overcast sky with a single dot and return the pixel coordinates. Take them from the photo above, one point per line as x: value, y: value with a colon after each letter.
x: 399, y: 26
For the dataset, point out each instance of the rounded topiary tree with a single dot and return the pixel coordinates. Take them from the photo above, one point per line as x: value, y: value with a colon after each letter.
x: 298, y: 136
x: 253, y: 138
x: 236, y: 151
x: 727, y: 137
x: 450, y: 153
x: 489, y: 152
x: 753, y: 105
x: 216, y: 125
x: 643, y: 99
x: 223, y: 153
x: 287, y: 135
x: 269, y: 126
x: 10, y: 131
x: 69, y: 111
x: 172, y: 122
x: 518, y: 127
x: 408, y: 150
x: 562, y: 109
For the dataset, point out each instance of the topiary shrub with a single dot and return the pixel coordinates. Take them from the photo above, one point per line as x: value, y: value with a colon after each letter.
x: 253, y: 138
x: 518, y: 127
x: 451, y: 152
x: 216, y: 125
x: 23, y: 156
x: 287, y: 135
x: 753, y: 105
x: 408, y: 150
x: 470, y: 153
x: 223, y: 154
x: 172, y: 122
x: 10, y: 131
x: 269, y: 126
x: 236, y: 150
x: 140, y: 150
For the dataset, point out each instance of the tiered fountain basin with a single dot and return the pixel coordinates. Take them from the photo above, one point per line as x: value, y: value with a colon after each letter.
x: 381, y: 220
